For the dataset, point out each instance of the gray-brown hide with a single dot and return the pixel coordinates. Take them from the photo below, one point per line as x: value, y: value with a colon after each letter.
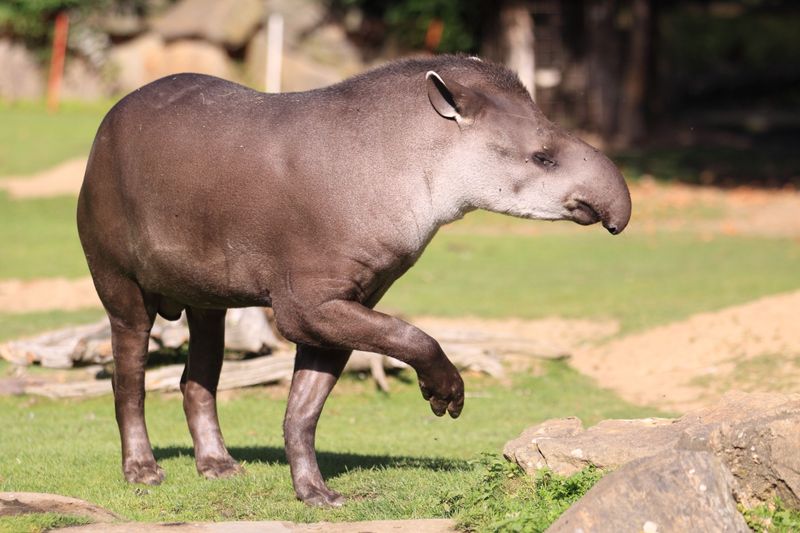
x: 202, y: 195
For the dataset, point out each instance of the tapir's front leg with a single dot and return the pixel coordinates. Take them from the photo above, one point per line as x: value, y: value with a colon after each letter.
x: 316, y: 371
x: 348, y: 325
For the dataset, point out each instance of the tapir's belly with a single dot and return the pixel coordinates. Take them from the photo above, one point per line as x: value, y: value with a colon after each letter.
x: 204, y: 272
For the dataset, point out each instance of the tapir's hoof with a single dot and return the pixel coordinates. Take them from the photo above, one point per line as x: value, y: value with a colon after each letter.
x: 447, y: 396
x: 219, y: 467
x: 321, y: 497
x: 147, y: 473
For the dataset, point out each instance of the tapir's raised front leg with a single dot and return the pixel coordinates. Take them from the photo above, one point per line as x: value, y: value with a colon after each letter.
x: 348, y: 325
x: 326, y: 334
x: 316, y: 371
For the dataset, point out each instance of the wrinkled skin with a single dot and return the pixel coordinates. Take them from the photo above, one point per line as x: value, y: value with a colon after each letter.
x: 202, y: 195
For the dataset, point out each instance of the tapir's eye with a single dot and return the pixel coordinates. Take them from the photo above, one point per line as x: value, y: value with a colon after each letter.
x: 544, y: 159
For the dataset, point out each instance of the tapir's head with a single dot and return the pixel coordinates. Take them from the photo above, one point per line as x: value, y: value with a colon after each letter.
x: 509, y: 158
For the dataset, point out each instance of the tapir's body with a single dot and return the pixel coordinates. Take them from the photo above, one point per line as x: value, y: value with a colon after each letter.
x: 202, y: 195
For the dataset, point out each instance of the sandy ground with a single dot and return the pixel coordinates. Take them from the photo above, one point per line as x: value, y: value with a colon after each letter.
x: 18, y: 296
x: 755, y: 346
x: 708, y: 210
x: 692, y: 363
x: 375, y: 526
x: 63, y: 179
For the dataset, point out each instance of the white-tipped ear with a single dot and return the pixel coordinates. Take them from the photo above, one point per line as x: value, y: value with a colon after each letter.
x: 452, y: 100
x: 440, y: 96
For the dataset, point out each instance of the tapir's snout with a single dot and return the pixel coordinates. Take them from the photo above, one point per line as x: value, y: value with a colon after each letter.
x: 601, y: 196
x: 617, y: 212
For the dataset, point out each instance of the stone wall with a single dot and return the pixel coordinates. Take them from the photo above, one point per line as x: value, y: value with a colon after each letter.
x: 225, y: 38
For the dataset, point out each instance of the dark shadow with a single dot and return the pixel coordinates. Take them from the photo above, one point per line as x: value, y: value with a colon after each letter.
x: 330, y: 463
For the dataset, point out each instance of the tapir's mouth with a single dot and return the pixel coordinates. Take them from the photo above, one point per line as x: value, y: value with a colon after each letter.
x: 582, y: 213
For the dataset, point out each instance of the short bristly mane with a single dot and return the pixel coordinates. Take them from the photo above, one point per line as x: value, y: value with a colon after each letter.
x: 491, y: 73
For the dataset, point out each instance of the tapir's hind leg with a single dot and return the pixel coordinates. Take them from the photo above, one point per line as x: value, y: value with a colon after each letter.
x: 131, y: 313
x: 316, y: 371
x: 199, y: 387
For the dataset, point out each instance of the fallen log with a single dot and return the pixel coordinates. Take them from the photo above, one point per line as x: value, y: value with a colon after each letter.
x: 235, y: 374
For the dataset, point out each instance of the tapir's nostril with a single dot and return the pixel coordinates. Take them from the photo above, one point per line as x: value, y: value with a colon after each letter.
x: 612, y: 229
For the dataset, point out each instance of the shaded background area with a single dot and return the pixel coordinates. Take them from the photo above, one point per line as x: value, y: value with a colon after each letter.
x: 696, y: 90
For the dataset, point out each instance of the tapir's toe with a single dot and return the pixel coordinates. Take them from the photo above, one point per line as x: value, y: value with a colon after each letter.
x: 146, y: 473
x: 321, y: 497
x: 218, y: 467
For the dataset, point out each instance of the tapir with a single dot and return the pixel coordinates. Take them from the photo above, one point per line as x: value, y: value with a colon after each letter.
x: 202, y: 195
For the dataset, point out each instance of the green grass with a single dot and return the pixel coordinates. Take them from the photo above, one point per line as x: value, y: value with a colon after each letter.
x: 507, y: 499
x: 639, y: 279
x: 39, y: 238
x: 32, y: 139
x: 388, y: 454
x: 15, y: 325
x: 773, y: 518
x: 36, y: 522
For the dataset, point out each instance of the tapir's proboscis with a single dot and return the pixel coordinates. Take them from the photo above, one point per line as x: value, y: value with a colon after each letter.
x: 202, y: 195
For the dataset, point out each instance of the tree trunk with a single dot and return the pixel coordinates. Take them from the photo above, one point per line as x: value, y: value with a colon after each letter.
x: 632, y: 108
x: 509, y: 40
x: 602, y: 58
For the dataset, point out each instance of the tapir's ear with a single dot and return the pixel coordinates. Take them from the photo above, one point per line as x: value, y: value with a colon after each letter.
x: 451, y: 99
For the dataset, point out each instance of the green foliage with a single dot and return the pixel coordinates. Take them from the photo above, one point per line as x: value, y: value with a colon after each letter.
x: 507, y: 499
x: 408, y: 20
x: 32, y: 19
x: 769, y: 162
x: 758, y: 40
x: 775, y: 518
x: 34, y: 523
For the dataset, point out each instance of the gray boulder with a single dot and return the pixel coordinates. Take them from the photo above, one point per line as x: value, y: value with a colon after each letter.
x: 229, y: 23
x: 148, y: 57
x: 21, y: 77
x: 676, y: 491
x: 756, y: 436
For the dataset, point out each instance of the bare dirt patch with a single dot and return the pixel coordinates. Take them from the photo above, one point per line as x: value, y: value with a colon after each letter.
x: 429, y: 525
x: 63, y: 179
x: 48, y: 294
x: 710, y: 210
x: 692, y: 363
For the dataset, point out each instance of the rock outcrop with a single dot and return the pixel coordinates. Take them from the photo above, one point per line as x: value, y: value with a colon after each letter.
x: 674, y: 491
x: 754, y: 437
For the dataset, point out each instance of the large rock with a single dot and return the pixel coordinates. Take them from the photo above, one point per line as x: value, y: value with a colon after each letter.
x: 137, y: 61
x: 20, y: 503
x: 230, y: 23
x: 196, y: 56
x: 316, y: 53
x: 757, y: 437
x: 675, y: 491
x: 83, y: 82
x: 148, y: 58
x: 20, y: 75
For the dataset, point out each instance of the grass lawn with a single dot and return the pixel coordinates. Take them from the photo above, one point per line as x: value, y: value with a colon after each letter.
x: 39, y: 238
x: 389, y: 454
x: 32, y: 139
